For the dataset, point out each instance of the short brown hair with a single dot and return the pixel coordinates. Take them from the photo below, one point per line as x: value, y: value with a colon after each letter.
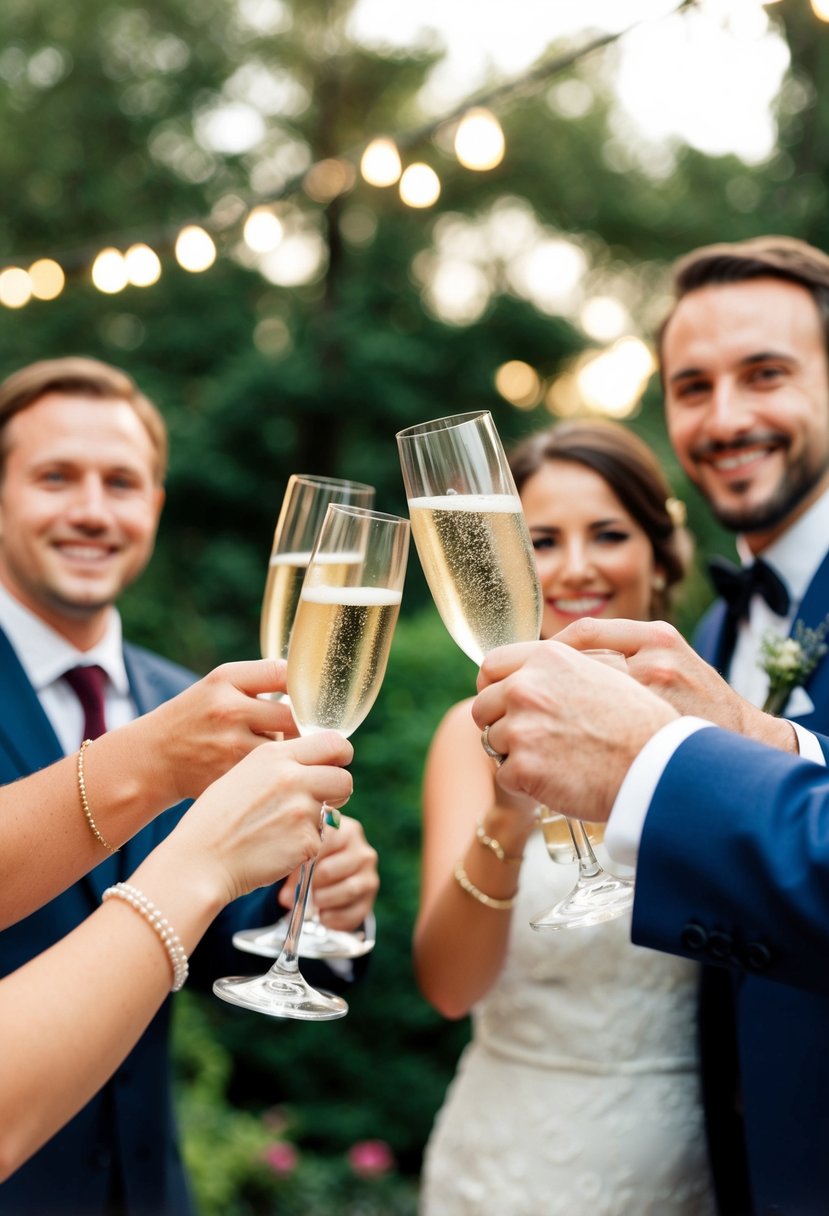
x: 760, y: 257
x: 78, y: 374
x: 635, y: 476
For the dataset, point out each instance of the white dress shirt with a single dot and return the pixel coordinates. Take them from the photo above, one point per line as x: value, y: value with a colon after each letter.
x: 45, y: 656
x: 795, y: 557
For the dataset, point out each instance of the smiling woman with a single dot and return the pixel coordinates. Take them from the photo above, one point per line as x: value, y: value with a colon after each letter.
x: 534, y: 1094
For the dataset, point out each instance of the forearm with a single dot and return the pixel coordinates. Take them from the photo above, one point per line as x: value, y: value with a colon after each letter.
x: 43, y: 816
x: 109, y: 976
x: 461, y: 941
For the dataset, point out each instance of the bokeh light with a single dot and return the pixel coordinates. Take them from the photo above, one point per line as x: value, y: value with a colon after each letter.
x: 15, y: 287
x: 479, y: 140
x: 47, y: 279
x: 419, y: 186
x: 195, y: 250
x: 263, y: 230
x: 519, y: 384
x: 143, y: 265
x: 380, y: 163
x: 109, y: 271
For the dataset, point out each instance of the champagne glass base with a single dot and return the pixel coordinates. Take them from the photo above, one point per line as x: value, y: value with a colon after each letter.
x: 316, y: 941
x: 281, y: 996
x: 591, y: 902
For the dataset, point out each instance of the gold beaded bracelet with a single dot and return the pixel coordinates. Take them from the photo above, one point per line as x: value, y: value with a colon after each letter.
x: 489, y: 901
x: 490, y: 842
x: 85, y: 801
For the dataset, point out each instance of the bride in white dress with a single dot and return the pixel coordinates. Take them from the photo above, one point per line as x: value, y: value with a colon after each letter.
x: 579, y: 1091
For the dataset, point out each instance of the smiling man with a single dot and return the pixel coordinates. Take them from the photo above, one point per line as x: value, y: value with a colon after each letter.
x: 82, y: 461
x: 746, y: 377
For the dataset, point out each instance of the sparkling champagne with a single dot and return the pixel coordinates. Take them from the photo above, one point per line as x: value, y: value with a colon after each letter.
x: 478, y: 560
x: 339, y: 649
x: 284, y: 583
x: 557, y: 836
x: 282, y: 589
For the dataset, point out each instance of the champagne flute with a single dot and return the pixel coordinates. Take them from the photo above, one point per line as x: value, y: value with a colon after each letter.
x: 597, y: 895
x: 336, y: 662
x: 477, y: 556
x: 300, y: 517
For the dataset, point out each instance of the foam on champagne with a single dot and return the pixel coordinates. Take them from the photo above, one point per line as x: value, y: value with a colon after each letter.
x: 338, y: 653
x: 477, y: 556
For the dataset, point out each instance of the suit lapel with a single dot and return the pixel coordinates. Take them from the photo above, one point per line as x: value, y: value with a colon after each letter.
x: 26, y: 734
x: 813, y: 611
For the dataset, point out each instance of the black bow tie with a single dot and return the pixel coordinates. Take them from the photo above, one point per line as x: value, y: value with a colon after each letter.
x: 738, y: 584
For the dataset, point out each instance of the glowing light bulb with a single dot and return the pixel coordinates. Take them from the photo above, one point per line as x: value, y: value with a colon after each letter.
x: 109, y: 271
x: 419, y: 186
x: 143, y: 265
x: 821, y: 9
x: 195, y: 250
x: 15, y: 287
x: 479, y: 140
x: 47, y: 279
x: 263, y: 230
x: 380, y: 163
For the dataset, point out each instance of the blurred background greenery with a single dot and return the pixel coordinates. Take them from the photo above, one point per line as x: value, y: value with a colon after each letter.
x: 120, y: 123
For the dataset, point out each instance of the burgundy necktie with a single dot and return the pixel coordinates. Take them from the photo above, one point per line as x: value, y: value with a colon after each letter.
x: 88, y: 685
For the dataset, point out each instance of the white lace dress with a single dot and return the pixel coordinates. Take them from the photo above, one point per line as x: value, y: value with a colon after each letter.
x: 578, y: 1093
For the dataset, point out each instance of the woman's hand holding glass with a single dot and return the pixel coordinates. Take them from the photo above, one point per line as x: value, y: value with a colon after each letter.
x: 337, y: 658
x: 301, y: 515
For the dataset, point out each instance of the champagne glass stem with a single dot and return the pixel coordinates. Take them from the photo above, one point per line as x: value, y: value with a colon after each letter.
x: 588, y: 865
x: 289, y: 954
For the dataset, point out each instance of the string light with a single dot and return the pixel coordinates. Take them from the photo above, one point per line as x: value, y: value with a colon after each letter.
x: 419, y: 186
x: 194, y: 249
x: 109, y: 271
x: 47, y: 279
x: 380, y: 163
x: 479, y: 140
x: 143, y: 265
x: 15, y: 287
x: 821, y: 9
x: 263, y: 230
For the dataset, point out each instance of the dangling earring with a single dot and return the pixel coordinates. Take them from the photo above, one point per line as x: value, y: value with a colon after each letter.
x: 659, y: 582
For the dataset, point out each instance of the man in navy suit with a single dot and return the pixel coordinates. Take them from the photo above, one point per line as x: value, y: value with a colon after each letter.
x: 744, y: 366
x: 83, y: 456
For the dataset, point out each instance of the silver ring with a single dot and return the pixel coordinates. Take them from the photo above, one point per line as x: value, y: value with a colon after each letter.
x: 498, y: 757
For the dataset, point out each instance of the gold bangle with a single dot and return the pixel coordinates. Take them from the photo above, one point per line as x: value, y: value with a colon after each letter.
x: 85, y: 801
x: 489, y: 901
x: 490, y: 842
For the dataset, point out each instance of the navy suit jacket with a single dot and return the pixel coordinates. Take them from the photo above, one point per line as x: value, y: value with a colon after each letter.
x: 748, y: 889
x: 130, y: 1121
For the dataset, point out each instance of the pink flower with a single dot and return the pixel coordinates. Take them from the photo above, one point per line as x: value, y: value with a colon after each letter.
x: 371, y: 1158
x: 282, y: 1157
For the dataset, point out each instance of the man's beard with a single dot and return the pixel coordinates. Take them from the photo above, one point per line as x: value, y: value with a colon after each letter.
x: 795, y: 485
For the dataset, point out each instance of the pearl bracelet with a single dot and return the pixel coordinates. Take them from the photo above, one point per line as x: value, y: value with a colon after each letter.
x: 489, y: 901
x: 169, y: 938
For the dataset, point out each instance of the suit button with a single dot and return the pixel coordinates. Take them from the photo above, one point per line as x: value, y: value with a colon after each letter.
x: 693, y: 936
x: 758, y: 956
x: 720, y: 945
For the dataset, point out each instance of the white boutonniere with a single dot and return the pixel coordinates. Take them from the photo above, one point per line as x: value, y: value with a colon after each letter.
x: 788, y: 662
